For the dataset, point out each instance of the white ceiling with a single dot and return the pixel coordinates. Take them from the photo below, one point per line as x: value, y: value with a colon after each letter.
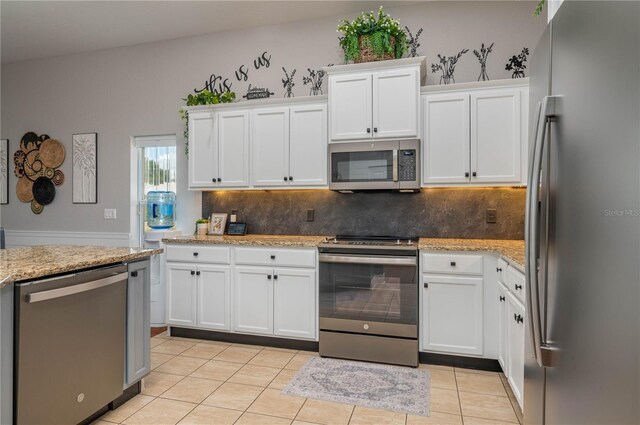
x: 39, y: 29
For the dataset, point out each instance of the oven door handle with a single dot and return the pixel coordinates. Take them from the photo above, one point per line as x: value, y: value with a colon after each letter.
x: 353, y: 259
x: 74, y: 289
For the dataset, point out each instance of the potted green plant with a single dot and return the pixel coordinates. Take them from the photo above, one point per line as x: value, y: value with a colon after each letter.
x: 202, y: 226
x: 372, y: 37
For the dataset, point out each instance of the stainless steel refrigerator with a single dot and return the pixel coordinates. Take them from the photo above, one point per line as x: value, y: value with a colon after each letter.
x: 583, y: 218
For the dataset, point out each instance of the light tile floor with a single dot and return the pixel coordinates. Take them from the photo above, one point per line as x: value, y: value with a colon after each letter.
x: 208, y: 382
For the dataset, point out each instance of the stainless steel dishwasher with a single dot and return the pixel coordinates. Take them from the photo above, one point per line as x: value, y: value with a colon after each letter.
x: 69, y: 345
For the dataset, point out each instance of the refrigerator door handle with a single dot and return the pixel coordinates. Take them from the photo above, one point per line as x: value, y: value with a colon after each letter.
x: 546, y: 110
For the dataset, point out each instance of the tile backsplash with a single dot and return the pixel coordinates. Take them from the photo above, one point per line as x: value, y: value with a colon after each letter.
x: 438, y: 212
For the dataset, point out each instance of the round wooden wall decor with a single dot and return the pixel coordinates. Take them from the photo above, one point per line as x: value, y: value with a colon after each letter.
x: 36, y: 165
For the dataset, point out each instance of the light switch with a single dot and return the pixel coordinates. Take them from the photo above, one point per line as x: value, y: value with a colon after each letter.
x: 109, y: 213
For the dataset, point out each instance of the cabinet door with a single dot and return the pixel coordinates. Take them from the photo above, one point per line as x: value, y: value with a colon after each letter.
x: 138, y: 358
x: 445, y: 137
x: 294, y: 303
x: 452, y: 318
x: 350, y: 107
x: 253, y: 300
x: 396, y: 108
x: 503, y: 322
x: 234, y: 148
x: 308, y: 145
x: 270, y: 146
x: 181, y: 305
x: 203, y: 149
x: 496, y: 136
x: 515, y: 356
x: 213, y: 297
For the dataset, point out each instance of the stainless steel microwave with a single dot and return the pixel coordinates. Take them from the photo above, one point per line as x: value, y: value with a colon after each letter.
x: 380, y: 165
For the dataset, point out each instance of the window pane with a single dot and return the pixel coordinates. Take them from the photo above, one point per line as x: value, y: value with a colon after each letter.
x: 159, y: 169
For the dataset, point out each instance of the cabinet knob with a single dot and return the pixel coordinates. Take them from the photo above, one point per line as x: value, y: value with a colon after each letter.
x: 501, y: 298
x: 213, y: 179
x: 269, y: 276
x: 518, y: 318
x: 453, y: 264
x: 219, y: 179
x: 375, y: 129
x: 273, y: 257
x: 275, y: 277
x: 466, y: 174
x: 518, y: 287
x: 290, y: 178
x: 286, y: 178
x: 474, y: 174
x: 134, y: 274
x: 193, y: 272
x: 498, y: 269
x: 195, y: 254
x: 368, y: 129
x: 198, y: 273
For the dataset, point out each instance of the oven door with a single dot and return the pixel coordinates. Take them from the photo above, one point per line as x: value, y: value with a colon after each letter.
x: 369, y: 294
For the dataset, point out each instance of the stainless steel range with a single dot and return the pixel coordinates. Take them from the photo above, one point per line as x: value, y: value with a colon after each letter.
x: 369, y: 299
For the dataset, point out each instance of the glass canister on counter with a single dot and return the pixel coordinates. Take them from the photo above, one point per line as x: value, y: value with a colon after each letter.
x: 161, y: 209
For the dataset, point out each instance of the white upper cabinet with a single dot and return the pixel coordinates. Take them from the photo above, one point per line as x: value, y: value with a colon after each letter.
x: 233, y: 149
x: 475, y: 137
x: 270, y: 150
x: 308, y: 145
x: 375, y: 100
x: 495, y: 136
x: 350, y: 106
x: 396, y: 105
x: 203, y: 148
x: 446, y: 138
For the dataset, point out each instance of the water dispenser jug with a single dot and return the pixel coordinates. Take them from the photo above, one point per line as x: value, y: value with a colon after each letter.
x: 161, y: 209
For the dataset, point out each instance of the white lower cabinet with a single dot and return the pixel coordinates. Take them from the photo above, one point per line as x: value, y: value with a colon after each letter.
x: 253, y: 295
x: 181, y: 294
x: 503, y: 345
x: 515, y: 351
x: 213, y: 294
x: 294, y: 303
x: 452, y: 317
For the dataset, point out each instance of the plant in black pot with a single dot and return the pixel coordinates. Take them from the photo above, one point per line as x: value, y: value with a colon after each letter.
x: 372, y: 37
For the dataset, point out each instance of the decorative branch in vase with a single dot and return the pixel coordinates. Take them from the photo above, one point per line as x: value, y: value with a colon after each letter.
x: 482, y: 58
x: 517, y: 65
x: 447, y: 66
x: 315, y: 79
x: 288, y: 83
x: 413, y: 42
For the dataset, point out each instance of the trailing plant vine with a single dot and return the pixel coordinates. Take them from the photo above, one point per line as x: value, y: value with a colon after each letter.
x: 205, y: 97
x: 378, y: 31
x: 539, y: 8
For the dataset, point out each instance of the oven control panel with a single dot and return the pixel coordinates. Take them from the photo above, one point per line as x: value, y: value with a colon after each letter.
x: 407, y: 165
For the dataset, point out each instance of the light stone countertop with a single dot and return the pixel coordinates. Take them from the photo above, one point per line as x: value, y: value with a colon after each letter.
x: 511, y: 250
x: 33, y: 262
x: 256, y: 240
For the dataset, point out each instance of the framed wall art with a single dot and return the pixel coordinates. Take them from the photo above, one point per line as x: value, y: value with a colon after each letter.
x: 4, y: 171
x: 85, y: 168
x: 218, y: 223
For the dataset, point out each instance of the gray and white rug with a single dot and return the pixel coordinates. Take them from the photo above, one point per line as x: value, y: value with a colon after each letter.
x: 397, y: 388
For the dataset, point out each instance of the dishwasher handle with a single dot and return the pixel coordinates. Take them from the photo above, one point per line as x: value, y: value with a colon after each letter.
x: 74, y: 289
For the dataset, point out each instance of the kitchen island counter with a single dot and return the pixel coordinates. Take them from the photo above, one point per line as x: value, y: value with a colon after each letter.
x: 511, y: 250
x: 26, y: 263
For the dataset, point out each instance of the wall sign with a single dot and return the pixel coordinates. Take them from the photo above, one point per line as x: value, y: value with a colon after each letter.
x: 4, y: 171
x: 257, y: 93
x: 218, y: 84
x: 482, y: 58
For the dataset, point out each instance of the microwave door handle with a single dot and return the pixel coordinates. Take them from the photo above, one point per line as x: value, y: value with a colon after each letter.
x: 395, y: 165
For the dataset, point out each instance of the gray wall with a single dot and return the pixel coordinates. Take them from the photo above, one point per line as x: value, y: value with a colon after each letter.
x: 445, y: 213
x: 137, y: 90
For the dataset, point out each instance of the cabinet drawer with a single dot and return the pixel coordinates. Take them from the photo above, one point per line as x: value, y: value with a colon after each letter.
x: 199, y: 254
x: 515, y: 283
x: 502, y: 270
x: 452, y: 263
x: 276, y: 257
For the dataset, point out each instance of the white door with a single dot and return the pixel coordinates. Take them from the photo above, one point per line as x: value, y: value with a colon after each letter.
x: 234, y: 148
x: 308, y: 145
x: 503, y: 322
x: 445, y: 138
x: 452, y: 318
x: 203, y: 149
x: 350, y: 107
x: 496, y: 136
x: 181, y: 305
x: 253, y: 300
x: 213, y: 297
x: 515, y: 357
x: 270, y: 146
x: 396, y: 103
x: 294, y: 303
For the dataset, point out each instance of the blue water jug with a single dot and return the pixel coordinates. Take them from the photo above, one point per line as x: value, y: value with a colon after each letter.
x: 161, y: 209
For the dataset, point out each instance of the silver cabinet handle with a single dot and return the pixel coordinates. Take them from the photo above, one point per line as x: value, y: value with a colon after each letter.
x: 395, y: 165
x: 357, y: 259
x: 75, y: 289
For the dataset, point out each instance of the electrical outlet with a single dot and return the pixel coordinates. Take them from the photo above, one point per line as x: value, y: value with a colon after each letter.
x: 492, y: 215
x: 310, y: 215
x: 109, y: 213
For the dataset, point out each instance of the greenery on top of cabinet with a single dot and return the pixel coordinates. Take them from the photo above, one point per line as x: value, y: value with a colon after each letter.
x: 205, y: 97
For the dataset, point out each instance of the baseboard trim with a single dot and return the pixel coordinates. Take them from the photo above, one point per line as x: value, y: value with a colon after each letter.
x: 269, y: 341
x: 17, y: 238
x: 476, y: 363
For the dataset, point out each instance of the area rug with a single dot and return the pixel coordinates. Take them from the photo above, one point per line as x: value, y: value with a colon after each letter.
x: 397, y: 388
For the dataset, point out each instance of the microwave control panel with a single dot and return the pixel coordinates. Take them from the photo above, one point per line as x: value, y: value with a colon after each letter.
x: 407, y: 165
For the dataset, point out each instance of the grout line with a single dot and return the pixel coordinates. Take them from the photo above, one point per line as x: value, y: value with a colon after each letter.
x: 455, y: 377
